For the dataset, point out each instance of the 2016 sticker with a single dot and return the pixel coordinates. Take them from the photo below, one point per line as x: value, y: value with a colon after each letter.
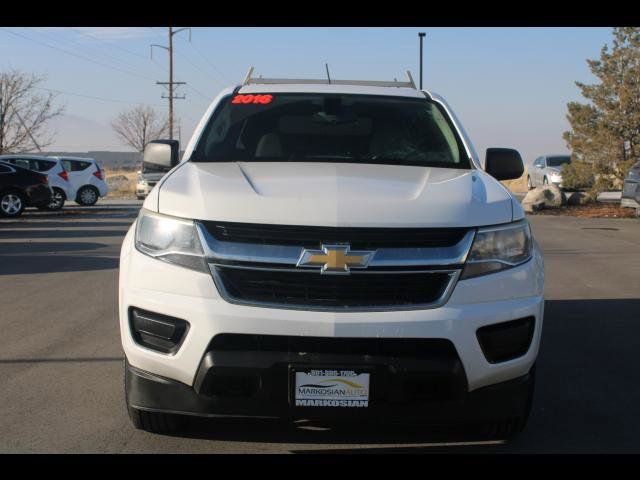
x: 255, y: 99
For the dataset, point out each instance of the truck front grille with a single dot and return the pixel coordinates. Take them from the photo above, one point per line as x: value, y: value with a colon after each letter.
x: 309, y: 289
x: 312, y: 236
x: 397, y: 268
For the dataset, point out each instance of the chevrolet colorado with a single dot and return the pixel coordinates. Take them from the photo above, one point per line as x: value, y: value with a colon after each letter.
x: 330, y: 248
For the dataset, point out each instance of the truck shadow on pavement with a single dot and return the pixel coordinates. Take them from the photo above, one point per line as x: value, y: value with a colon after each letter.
x: 586, y: 399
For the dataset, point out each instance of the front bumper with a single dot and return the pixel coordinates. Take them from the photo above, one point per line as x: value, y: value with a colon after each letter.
x: 143, y: 189
x: 156, y: 286
x: 39, y: 195
x: 145, y: 391
x: 557, y: 181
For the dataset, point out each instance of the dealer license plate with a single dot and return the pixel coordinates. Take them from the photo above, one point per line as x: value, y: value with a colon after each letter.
x: 331, y: 388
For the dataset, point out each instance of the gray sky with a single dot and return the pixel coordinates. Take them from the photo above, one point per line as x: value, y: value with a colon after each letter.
x: 509, y: 86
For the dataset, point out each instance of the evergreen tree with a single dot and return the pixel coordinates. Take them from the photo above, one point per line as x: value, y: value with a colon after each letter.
x: 605, y: 132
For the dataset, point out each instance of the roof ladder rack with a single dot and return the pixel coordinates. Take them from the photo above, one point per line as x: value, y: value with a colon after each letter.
x: 250, y: 80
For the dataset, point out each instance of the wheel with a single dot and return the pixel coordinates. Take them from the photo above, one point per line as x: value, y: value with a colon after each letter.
x: 529, y: 184
x: 508, y: 427
x: 57, y: 201
x: 11, y: 204
x: 545, y: 181
x: 87, y: 196
x: 155, y: 422
x: 141, y: 197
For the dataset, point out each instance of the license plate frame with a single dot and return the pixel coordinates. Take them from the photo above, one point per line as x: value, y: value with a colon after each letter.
x: 347, y: 379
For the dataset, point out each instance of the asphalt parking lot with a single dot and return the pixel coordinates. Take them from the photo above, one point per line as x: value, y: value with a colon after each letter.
x: 61, y: 362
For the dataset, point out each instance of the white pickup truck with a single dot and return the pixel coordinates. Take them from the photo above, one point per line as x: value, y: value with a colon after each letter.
x: 331, y: 249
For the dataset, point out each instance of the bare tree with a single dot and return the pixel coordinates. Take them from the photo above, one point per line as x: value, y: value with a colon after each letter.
x: 138, y: 126
x: 24, y: 113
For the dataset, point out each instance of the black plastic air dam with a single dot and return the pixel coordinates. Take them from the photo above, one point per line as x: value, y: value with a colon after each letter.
x: 145, y: 391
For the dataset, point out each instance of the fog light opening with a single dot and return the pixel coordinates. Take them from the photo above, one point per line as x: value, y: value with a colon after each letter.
x: 158, y: 332
x: 507, y: 340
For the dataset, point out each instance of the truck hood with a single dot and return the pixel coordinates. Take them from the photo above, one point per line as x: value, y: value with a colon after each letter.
x: 333, y: 194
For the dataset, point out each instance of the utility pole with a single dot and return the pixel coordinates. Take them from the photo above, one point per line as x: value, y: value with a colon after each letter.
x: 170, y: 84
x: 421, y: 35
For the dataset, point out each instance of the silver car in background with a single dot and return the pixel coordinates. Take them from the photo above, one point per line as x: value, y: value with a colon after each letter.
x: 147, y: 179
x: 546, y: 170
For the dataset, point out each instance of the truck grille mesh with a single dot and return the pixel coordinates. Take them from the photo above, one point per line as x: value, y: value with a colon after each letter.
x: 310, y: 289
x: 312, y: 237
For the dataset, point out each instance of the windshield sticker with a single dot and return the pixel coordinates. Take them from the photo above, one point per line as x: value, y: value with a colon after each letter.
x: 247, y: 99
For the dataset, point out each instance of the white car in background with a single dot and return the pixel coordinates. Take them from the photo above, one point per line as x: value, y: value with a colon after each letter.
x: 87, y: 178
x: 147, y: 179
x: 56, y: 174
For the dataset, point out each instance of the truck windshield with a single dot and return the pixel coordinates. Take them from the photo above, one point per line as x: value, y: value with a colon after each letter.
x: 331, y: 128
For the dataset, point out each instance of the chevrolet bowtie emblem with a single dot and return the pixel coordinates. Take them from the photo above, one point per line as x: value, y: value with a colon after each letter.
x: 334, y: 259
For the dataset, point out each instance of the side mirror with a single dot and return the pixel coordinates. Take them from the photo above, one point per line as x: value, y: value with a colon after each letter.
x: 161, y: 154
x: 503, y: 163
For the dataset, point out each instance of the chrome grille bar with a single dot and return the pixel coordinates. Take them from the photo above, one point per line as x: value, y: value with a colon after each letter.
x: 221, y: 253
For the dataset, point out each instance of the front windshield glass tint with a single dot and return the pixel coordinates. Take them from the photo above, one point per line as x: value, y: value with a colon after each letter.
x: 557, y: 161
x: 331, y: 128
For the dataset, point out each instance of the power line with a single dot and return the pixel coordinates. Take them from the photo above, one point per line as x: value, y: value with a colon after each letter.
x: 153, y: 29
x: 206, y: 97
x: 100, y: 98
x: 211, y: 64
x: 86, y: 49
x: 130, y: 52
x: 76, y: 55
x: 208, y: 75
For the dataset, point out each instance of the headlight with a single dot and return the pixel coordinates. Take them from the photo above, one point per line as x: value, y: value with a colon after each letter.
x: 498, y: 248
x: 171, y: 239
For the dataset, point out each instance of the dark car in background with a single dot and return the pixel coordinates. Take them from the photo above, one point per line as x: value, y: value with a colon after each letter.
x: 631, y: 188
x: 20, y: 188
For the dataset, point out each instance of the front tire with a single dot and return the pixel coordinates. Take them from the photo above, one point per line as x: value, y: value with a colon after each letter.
x: 545, y: 182
x: 87, y: 196
x: 57, y: 201
x: 12, y: 204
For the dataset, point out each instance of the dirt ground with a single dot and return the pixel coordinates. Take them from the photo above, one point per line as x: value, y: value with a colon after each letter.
x: 121, y: 188
x: 519, y: 185
x: 596, y: 210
